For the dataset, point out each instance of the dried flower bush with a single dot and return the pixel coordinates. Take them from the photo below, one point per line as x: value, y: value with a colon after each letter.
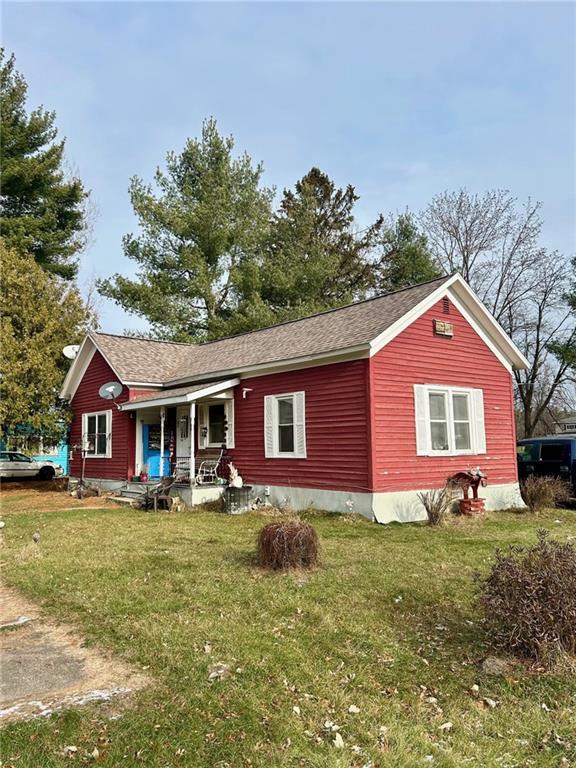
x: 529, y: 599
x: 437, y: 503
x: 540, y: 492
x: 288, y: 544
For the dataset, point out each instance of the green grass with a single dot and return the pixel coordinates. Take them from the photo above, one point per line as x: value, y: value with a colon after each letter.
x: 387, y: 624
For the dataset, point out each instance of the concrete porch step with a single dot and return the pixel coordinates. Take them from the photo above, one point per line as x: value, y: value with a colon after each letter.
x: 132, y: 493
x: 127, y: 501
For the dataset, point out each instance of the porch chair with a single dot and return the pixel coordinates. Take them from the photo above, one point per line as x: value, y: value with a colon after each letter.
x: 208, y: 469
x: 158, y: 495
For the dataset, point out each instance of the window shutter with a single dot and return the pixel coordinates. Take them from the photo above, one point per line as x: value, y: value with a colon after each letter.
x: 202, y: 426
x: 269, y: 426
x: 479, y: 426
x: 299, y: 425
x: 229, y: 411
x: 420, y: 411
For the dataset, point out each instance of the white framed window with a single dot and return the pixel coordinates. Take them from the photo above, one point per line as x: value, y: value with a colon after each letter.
x: 97, y: 434
x: 285, y: 426
x: 449, y: 420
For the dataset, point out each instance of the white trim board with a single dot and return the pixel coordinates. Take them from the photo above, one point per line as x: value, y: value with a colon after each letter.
x: 80, y: 365
x: 277, y: 366
x: 455, y: 288
x: 209, y: 389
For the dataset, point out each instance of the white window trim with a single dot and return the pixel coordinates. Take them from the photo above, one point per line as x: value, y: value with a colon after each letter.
x: 85, y: 417
x: 477, y: 442
x: 273, y: 452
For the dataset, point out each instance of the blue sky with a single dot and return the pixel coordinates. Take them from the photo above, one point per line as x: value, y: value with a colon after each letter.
x: 403, y: 100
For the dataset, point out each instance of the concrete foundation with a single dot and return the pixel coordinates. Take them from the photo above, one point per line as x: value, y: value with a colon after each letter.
x: 383, y: 507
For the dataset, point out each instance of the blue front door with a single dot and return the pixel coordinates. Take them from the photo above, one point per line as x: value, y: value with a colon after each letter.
x: 151, y: 452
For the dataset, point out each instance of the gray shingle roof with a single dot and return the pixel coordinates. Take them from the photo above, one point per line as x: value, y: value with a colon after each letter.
x: 353, y: 325
x: 141, y: 360
x: 176, y: 392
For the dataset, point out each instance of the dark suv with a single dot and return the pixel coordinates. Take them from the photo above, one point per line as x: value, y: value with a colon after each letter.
x: 552, y: 456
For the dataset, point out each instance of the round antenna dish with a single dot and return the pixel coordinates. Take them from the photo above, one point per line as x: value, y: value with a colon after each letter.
x: 71, y: 351
x: 110, y: 391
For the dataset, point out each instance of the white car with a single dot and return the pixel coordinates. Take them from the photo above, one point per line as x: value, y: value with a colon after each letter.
x: 15, y: 465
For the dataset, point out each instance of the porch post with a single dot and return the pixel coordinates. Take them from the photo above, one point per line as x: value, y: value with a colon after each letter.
x: 192, y: 441
x: 162, y: 417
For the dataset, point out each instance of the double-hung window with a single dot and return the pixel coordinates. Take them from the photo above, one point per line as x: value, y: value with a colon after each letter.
x: 449, y: 420
x: 97, y: 434
x: 285, y: 426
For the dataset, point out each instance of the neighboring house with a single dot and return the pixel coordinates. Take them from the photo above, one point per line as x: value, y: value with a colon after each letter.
x: 567, y: 426
x: 353, y: 409
x: 57, y: 453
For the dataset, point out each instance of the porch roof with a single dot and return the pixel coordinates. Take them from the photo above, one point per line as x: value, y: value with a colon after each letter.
x: 179, y: 395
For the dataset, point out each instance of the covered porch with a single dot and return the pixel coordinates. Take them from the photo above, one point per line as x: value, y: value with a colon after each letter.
x: 185, y: 434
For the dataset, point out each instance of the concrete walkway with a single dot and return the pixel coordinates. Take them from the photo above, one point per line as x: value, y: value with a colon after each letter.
x: 45, y: 667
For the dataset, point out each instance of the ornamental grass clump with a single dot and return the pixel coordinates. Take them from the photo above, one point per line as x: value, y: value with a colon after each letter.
x: 529, y: 599
x: 437, y: 504
x: 540, y: 492
x: 288, y: 544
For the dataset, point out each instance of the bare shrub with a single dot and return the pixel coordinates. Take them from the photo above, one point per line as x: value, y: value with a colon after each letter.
x: 437, y: 503
x: 540, y: 492
x: 288, y: 544
x: 529, y: 599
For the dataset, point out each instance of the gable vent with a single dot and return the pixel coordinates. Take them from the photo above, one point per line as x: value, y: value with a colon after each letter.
x: 446, y: 305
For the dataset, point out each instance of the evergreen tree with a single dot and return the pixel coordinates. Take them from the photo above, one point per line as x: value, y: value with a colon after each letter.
x: 41, y: 313
x: 405, y: 258
x: 315, y: 258
x: 42, y: 212
x: 201, y: 231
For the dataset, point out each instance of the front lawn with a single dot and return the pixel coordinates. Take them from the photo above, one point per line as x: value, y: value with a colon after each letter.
x: 386, y: 626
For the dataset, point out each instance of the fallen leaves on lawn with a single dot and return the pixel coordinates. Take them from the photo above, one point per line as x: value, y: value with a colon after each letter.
x: 218, y: 671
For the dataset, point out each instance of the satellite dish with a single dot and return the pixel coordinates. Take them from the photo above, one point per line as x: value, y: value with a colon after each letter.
x: 71, y: 351
x: 110, y: 391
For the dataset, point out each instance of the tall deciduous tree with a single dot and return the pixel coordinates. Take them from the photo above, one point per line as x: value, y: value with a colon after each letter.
x: 201, y: 230
x: 494, y: 243
x: 42, y: 211
x: 41, y: 313
x: 565, y: 350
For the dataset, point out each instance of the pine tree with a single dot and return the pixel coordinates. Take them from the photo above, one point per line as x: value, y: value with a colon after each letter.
x: 201, y: 232
x: 405, y: 259
x: 315, y: 257
x: 42, y: 212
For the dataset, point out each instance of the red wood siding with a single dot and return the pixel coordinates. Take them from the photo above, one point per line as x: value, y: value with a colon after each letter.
x: 417, y: 356
x: 336, y: 428
x: 86, y: 400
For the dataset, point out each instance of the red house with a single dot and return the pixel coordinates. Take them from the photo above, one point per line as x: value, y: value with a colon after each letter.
x: 353, y: 409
